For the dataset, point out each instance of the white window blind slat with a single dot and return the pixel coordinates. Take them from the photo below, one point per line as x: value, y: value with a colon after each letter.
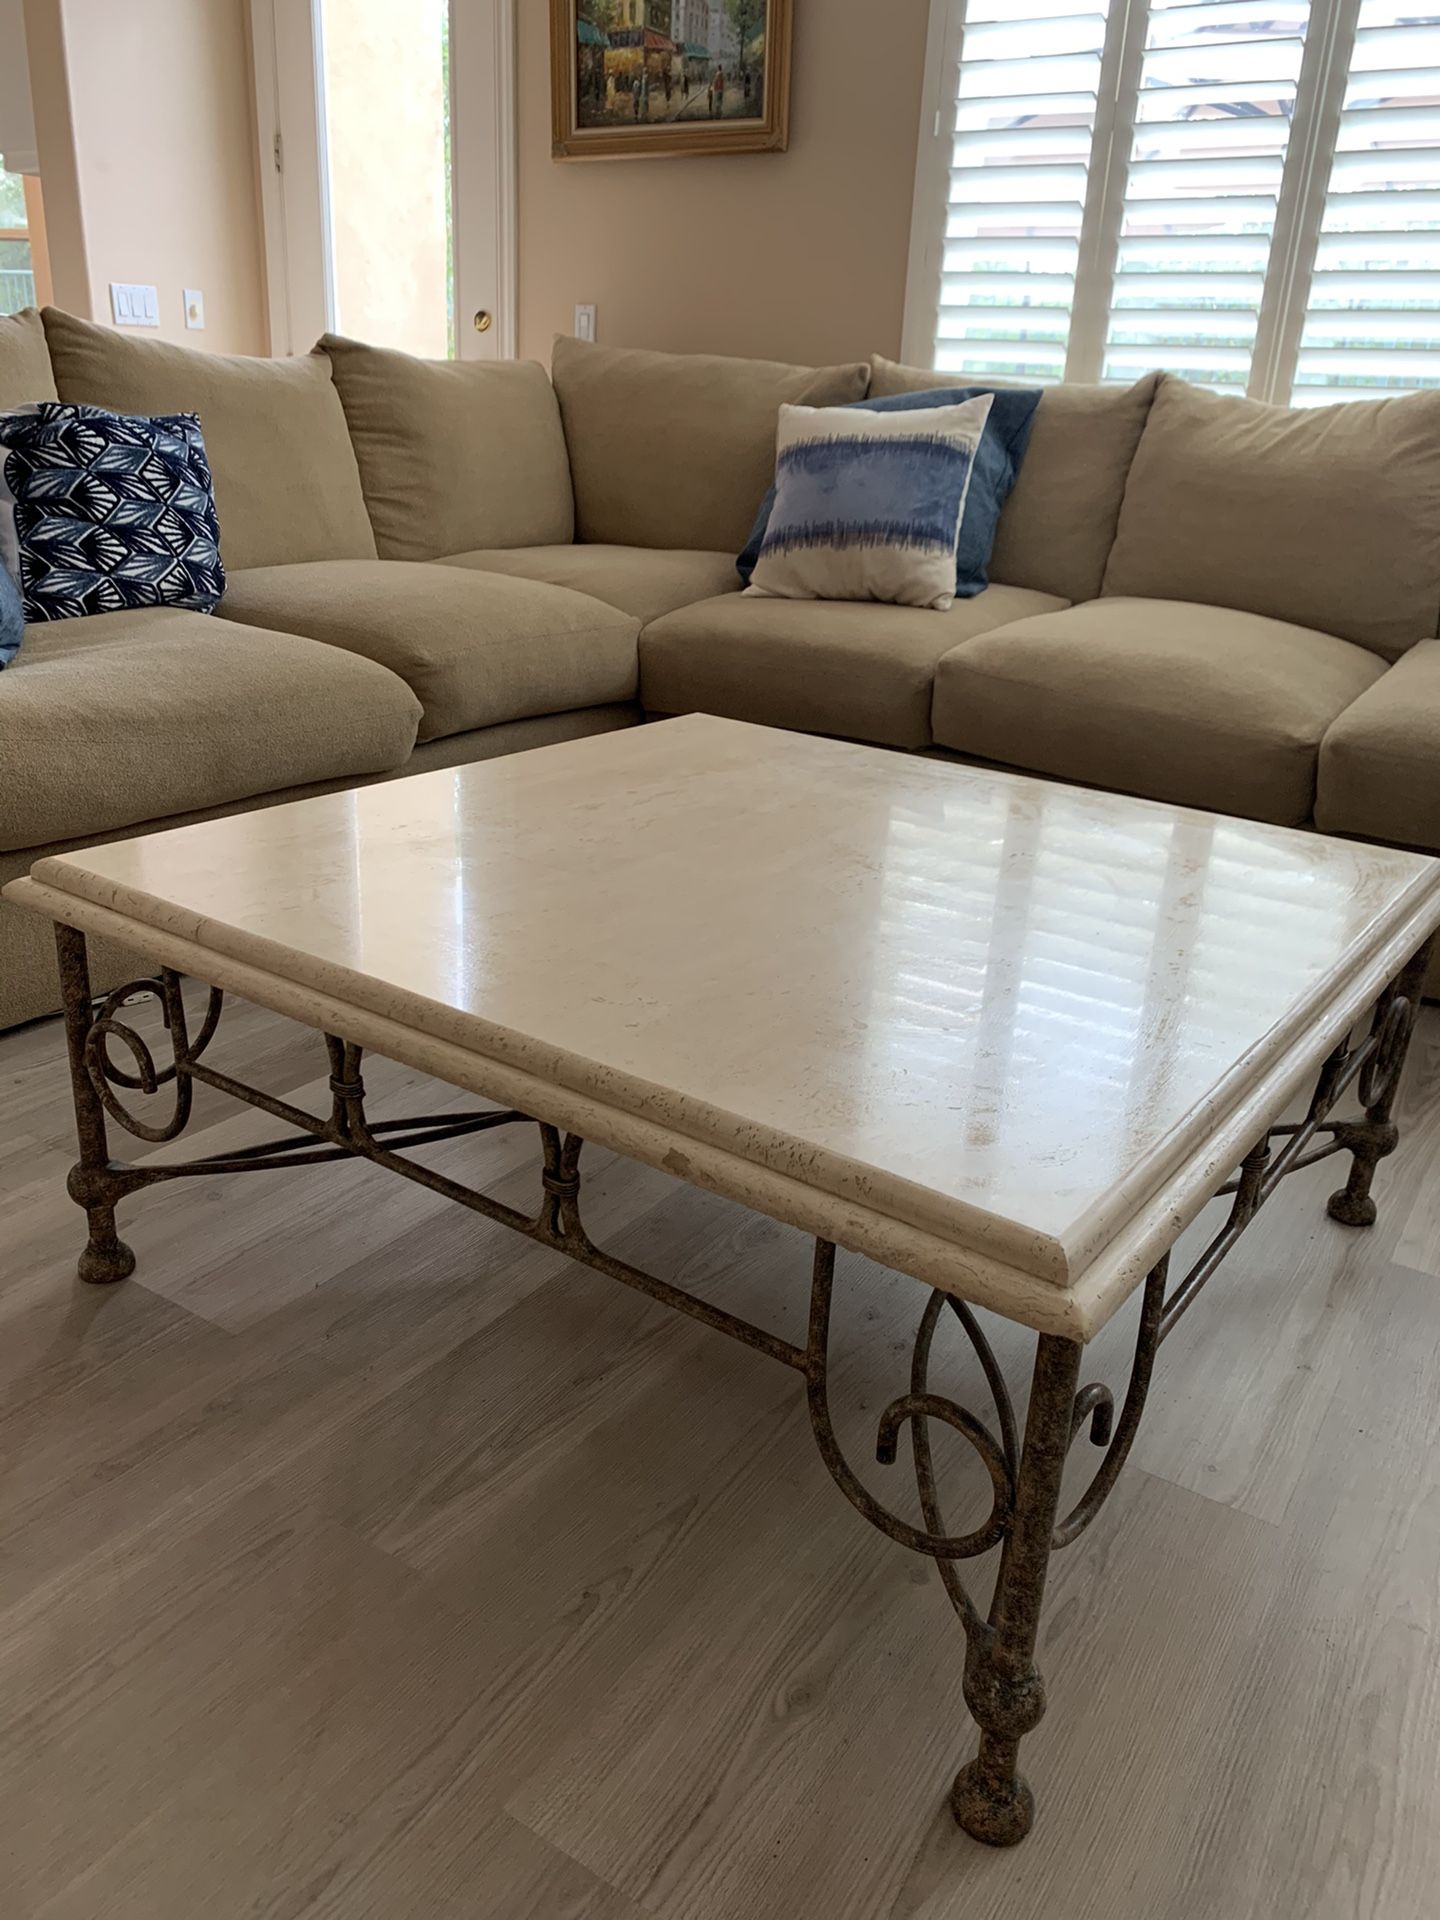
x: 1212, y: 103
x: 1199, y: 253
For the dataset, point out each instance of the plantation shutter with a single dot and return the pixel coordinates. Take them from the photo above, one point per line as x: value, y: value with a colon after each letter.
x: 1024, y: 129
x: 1245, y: 192
x: 1212, y: 120
x: 1372, y: 318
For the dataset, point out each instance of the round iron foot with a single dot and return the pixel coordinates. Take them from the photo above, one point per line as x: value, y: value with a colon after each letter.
x: 996, y: 1818
x: 1352, y: 1212
x: 103, y: 1266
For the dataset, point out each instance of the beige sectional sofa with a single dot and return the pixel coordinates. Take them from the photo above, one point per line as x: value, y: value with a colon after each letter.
x: 1193, y: 598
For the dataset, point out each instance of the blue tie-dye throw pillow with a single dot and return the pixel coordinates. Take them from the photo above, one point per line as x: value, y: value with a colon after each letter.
x: 101, y: 511
x: 997, y: 465
x: 12, y: 618
x: 868, y: 506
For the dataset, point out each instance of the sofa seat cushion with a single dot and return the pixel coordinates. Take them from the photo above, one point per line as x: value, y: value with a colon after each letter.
x: 1380, y: 761
x: 454, y: 453
x: 25, y: 371
x: 477, y: 648
x: 852, y: 668
x: 644, y: 581
x: 134, y: 716
x: 286, y: 483
x: 677, y: 449
x: 1196, y: 705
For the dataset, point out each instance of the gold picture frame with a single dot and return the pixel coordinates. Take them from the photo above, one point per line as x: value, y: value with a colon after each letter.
x: 650, y: 79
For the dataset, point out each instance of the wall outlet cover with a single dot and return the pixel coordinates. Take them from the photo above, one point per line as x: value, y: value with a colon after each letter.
x: 194, y: 308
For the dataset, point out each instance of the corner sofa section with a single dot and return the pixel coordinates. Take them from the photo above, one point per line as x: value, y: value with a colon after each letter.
x: 1192, y: 598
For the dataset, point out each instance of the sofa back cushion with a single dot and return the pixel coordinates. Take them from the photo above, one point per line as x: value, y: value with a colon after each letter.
x: 1328, y: 517
x: 677, y: 450
x: 454, y: 454
x: 1057, y: 527
x: 286, y: 484
x: 25, y: 372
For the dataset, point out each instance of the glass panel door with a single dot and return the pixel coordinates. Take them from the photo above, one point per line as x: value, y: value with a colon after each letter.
x: 386, y: 129
x: 385, y: 98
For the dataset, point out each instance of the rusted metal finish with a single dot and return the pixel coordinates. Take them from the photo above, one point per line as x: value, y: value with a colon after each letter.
x: 1006, y: 1696
x: 1003, y: 1689
x: 1371, y: 1139
x: 91, y: 1184
x: 1118, y: 1443
x: 917, y: 1407
x: 147, y: 1078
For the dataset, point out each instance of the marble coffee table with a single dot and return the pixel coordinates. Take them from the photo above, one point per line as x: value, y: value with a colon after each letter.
x: 1006, y: 1037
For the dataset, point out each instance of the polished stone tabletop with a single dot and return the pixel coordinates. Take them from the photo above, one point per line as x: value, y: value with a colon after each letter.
x: 998, y: 1010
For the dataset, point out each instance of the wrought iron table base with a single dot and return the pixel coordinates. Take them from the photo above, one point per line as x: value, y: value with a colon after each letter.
x: 1003, y: 1689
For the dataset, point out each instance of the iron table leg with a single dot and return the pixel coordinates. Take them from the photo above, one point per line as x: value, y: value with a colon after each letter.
x: 91, y: 1183
x: 1371, y: 1139
x: 1005, y: 1694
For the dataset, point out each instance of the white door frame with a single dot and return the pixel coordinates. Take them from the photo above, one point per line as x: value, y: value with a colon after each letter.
x: 933, y: 162
x: 289, y: 103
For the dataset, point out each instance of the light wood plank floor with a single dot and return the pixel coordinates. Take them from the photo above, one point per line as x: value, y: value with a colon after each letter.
x: 358, y: 1560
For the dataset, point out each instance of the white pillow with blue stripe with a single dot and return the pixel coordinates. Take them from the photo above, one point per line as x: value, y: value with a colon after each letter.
x: 868, y: 505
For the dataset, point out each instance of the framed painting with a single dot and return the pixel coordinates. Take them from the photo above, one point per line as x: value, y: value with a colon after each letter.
x: 637, y: 79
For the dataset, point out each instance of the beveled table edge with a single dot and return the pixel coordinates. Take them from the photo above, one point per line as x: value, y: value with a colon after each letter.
x: 1153, y: 1229
x: 951, y: 1220
x: 1039, y: 1304
x: 1062, y: 1257
x: 1410, y: 920
x: 1078, y: 1309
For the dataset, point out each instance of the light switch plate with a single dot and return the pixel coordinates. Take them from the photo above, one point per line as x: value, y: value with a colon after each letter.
x: 585, y: 323
x: 134, y: 306
x: 194, y: 309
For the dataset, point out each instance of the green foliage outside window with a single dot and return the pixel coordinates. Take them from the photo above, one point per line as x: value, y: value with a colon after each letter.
x: 12, y: 200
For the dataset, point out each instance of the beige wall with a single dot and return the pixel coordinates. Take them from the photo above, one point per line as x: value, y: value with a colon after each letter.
x: 144, y: 120
x: 796, y: 256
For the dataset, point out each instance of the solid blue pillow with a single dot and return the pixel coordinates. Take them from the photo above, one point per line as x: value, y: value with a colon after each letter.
x: 12, y: 618
x: 997, y: 463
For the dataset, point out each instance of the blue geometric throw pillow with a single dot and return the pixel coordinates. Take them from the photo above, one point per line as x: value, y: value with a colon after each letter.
x: 101, y: 511
x: 12, y: 619
x: 997, y: 466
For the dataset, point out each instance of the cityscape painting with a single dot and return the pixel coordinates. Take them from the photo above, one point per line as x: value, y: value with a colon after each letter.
x: 652, y: 77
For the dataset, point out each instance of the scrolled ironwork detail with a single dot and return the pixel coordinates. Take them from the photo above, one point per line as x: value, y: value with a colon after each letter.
x: 106, y: 1076
x: 917, y: 1407
x: 1096, y: 1405
x: 1380, y: 1076
x: 1092, y: 1402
